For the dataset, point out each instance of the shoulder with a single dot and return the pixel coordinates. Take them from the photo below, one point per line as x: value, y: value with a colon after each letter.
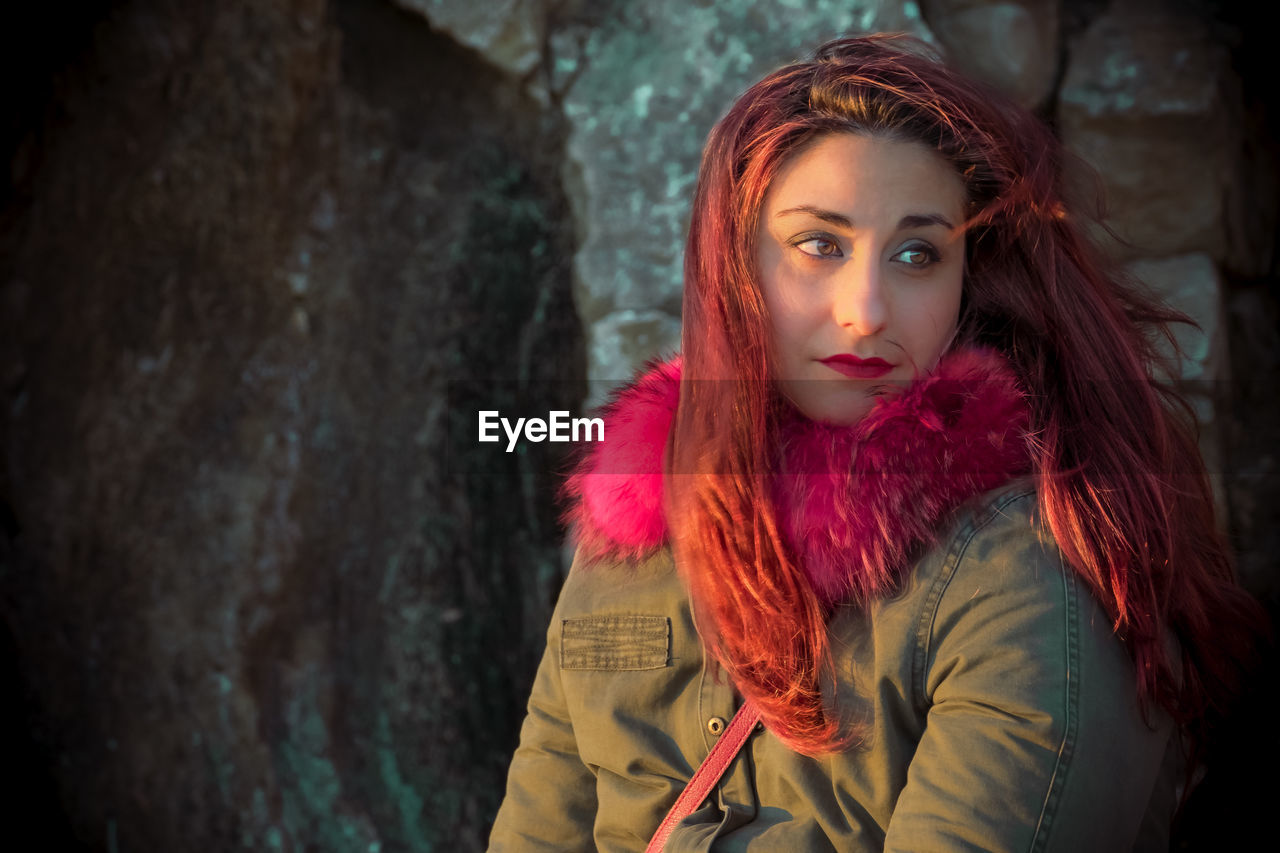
x: 632, y: 612
x: 998, y: 579
x: 620, y: 585
x: 1018, y: 666
x: 998, y: 541
x: 1009, y: 515
x: 994, y: 579
x: 1010, y: 621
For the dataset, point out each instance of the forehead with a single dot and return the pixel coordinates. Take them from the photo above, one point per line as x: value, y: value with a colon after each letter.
x: 858, y: 174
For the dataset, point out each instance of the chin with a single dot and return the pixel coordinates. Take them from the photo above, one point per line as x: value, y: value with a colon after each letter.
x: 838, y: 412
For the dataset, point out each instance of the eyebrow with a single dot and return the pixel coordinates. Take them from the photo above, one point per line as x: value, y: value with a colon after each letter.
x: 911, y: 220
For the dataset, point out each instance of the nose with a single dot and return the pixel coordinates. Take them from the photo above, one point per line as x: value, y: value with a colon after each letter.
x: 859, y: 299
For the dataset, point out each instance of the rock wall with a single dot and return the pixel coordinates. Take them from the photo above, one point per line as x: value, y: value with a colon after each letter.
x: 259, y: 602
x: 259, y: 258
x: 1163, y: 102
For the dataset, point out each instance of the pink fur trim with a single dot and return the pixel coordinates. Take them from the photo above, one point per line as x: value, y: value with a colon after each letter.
x: 853, y: 501
x: 616, y: 493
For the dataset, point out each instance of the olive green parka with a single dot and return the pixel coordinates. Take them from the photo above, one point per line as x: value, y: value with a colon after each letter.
x: 1000, y: 710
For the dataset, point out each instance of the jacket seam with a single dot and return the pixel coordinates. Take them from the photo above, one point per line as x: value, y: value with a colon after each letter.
x: 1066, y: 749
x: 929, y: 608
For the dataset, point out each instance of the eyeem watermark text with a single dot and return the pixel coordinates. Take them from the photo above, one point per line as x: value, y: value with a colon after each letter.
x: 557, y: 427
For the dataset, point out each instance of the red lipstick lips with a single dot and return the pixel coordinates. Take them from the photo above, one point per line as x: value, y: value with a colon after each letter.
x: 858, y: 368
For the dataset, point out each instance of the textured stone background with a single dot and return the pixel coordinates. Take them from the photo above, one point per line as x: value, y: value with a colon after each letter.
x: 258, y: 259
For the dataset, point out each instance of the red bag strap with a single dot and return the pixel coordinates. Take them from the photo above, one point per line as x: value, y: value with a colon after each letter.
x: 708, y: 773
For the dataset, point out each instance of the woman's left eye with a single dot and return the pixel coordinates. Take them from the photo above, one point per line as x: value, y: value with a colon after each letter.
x: 918, y: 255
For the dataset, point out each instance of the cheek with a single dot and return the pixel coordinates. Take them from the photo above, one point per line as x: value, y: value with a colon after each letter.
x: 783, y: 335
x: 947, y: 308
x: 787, y: 314
x: 933, y: 318
x: 793, y: 330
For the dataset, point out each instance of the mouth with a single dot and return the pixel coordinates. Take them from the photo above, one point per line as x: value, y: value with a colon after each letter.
x: 857, y: 368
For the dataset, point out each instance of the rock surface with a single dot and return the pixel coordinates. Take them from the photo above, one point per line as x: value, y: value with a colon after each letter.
x: 640, y: 85
x: 1199, y: 365
x: 261, y: 599
x: 1192, y: 285
x: 508, y: 33
x: 1151, y: 101
x: 1013, y: 46
x: 651, y: 82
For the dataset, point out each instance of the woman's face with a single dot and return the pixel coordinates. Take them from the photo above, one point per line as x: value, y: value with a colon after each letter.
x: 860, y: 262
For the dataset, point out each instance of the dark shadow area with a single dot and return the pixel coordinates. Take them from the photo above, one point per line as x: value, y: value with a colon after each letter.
x: 251, y: 604
x: 32, y: 800
x: 1231, y: 808
x: 38, y: 43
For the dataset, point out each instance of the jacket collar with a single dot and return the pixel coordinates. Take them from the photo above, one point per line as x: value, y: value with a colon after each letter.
x: 854, y: 502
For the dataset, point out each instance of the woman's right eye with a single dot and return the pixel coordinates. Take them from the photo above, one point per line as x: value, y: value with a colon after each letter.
x: 819, y: 247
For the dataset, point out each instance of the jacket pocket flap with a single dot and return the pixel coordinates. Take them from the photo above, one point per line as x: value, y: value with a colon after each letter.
x: 616, y: 642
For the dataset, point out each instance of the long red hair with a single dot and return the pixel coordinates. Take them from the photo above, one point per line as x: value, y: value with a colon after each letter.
x: 1119, y: 476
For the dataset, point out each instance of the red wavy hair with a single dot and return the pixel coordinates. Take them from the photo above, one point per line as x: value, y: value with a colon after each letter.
x: 1118, y: 469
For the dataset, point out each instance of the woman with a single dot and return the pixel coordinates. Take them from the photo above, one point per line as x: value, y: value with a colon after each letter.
x: 910, y: 495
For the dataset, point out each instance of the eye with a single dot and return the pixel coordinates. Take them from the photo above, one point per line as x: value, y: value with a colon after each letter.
x: 917, y: 256
x: 818, y: 247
